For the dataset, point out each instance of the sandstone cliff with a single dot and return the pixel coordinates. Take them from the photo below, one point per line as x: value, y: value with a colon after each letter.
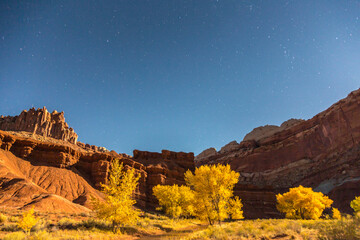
x: 59, y: 176
x: 323, y: 153
x: 40, y: 122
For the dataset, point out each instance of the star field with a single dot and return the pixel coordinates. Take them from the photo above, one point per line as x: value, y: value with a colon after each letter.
x: 177, y: 75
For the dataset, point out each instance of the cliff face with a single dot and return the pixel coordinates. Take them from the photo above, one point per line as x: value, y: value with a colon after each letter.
x: 40, y: 122
x: 165, y: 168
x: 323, y: 153
x: 36, y: 173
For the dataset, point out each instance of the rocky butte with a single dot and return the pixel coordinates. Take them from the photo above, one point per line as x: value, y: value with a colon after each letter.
x: 43, y: 165
x: 322, y: 153
x: 40, y: 122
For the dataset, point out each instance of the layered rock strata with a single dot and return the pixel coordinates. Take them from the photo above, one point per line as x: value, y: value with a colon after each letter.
x: 40, y: 122
x: 322, y: 153
x: 74, y: 173
x: 165, y: 168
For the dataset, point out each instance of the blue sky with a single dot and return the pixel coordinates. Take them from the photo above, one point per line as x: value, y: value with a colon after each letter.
x: 177, y: 75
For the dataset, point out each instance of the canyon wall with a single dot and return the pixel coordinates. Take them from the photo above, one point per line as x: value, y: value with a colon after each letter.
x: 48, y: 168
x: 322, y: 153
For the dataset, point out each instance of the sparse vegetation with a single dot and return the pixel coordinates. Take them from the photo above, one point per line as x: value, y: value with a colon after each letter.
x: 162, y: 227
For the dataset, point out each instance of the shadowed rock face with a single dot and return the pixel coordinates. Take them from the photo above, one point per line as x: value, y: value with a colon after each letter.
x: 323, y: 153
x: 40, y: 122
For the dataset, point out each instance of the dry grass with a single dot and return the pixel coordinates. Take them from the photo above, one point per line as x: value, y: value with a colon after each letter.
x: 346, y: 229
x: 154, y: 226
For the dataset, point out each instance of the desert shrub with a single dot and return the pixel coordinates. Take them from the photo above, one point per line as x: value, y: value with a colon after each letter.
x: 67, y: 223
x: 13, y: 219
x: 41, y: 235
x: 11, y: 227
x: 15, y: 236
x: 344, y: 229
x: 3, y: 218
x: 144, y: 222
x: 83, y: 214
x: 302, y: 203
x: 95, y: 223
x: 336, y: 214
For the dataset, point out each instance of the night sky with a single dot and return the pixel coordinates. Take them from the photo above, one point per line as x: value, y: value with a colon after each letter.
x: 177, y: 75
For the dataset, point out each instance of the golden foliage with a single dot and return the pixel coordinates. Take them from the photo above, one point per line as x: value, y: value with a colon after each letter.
x: 213, y: 187
x: 28, y: 221
x: 235, y: 208
x: 355, y: 204
x: 175, y: 200
x: 302, y: 203
x: 118, y: 205
x: 336, y: 214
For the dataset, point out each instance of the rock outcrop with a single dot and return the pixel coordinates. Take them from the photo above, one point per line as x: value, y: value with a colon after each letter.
x: 268, y: 130
x: 165, y: 168
x: 322, y: 153
x: 36, y: 173
x: 40, y: 122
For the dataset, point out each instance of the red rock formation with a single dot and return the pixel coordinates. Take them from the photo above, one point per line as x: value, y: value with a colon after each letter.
x: 323, y: 153
x: 73, y: 173
x: 40, y: 122
x: 166, y: 168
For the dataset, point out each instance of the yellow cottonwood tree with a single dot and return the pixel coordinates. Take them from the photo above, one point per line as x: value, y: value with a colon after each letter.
x: 175, y: 200
x: 213, y: 188
x: 118, y: 207
x: 28, y: 221
x: 302, y: 203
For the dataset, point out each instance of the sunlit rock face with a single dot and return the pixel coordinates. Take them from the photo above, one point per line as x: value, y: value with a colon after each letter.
x: 40, y: 122
x: 41, y: 172
x: 322, y: 153
x: 165, y: 168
